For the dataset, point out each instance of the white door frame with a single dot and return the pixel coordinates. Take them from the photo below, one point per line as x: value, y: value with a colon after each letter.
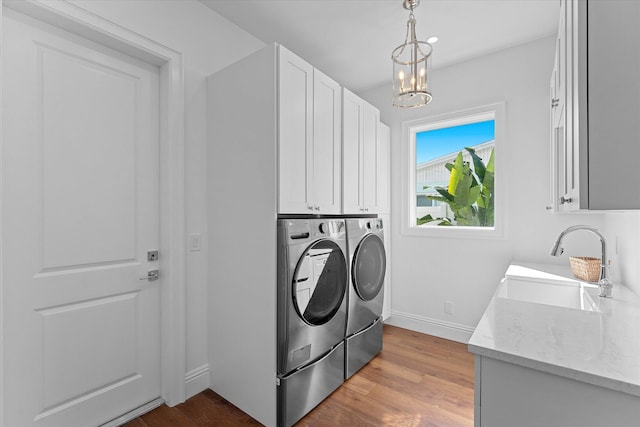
x: 75, y: 19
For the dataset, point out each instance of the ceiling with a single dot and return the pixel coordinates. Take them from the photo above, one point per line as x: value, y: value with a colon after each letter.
x: 352, y: 40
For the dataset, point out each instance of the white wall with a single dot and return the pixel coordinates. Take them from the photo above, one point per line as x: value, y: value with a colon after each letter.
x: 426, y: 272
x: 623, y: 237
x: 208, y: 42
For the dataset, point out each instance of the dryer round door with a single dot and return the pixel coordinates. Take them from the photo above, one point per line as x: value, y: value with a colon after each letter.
x: 368, y: 268
x: 320, y: 282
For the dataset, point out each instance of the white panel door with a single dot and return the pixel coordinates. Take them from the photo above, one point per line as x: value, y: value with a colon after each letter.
x: 80, y: 207
x: 383, y: 168
x: 370, y: 119
x: 295, y: 127
x: 327, y: 144
x: 352, y: 198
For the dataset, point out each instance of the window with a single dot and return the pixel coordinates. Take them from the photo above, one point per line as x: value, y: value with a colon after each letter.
x: 453, y: 174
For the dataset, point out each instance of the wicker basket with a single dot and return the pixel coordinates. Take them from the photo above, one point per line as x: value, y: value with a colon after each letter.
x: 585, y: 268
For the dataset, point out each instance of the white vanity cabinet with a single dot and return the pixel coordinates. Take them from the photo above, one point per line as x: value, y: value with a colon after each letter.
x: 508, y: 395
x: 309, y: 143
x: 595, y: 106
x: 361, y: 156
x: 549, y: 352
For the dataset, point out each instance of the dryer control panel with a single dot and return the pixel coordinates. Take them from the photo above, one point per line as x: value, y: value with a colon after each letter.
x: 374, y: 224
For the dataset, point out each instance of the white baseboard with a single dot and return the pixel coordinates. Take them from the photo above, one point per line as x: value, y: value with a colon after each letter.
x: 197, y: 380
x: 138, y: 412
x: 439, y: 328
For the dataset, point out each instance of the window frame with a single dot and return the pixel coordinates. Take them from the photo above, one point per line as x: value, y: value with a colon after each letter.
x: 410, y: 128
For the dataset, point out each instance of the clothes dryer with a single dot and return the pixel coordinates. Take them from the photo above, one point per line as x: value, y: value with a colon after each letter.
x: 367, y: 267
x: 312, y: 288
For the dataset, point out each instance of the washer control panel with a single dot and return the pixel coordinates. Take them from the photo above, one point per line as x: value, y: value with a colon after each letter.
x: 300, y: 230
x: 330, y: 227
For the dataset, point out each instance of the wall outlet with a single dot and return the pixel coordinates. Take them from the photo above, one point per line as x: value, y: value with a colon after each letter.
x: 194, y: 242
x: 448, y: 307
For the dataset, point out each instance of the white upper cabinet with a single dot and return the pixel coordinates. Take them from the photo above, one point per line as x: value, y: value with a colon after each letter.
x: 613, y: 104
x: 370, y: 119
x: 595, y: 95
x: 361, y: 156
x: 327, y: 144
x: 295, y: 124
x: 383, y: 169
x: 352, y: 113
x: 309, y: 147
x: 563, y: 184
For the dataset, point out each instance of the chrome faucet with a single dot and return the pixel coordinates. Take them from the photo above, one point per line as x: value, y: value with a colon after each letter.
x: 604, y: 284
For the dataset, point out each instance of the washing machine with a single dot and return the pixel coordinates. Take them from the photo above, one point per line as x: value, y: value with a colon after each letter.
x: 312, y: 311
x: 367, y: 267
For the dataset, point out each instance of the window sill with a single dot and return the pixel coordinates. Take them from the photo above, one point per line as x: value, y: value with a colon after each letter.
x: 454, y: 232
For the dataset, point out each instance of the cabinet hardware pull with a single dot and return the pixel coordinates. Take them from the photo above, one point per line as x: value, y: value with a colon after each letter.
x: 563, y: 200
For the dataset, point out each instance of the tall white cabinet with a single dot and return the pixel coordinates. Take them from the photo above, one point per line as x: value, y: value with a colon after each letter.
x: 242, y: 203
x: 274, y: 148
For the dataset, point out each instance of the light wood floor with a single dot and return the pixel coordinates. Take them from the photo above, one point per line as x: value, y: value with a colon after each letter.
x: 416, y: 381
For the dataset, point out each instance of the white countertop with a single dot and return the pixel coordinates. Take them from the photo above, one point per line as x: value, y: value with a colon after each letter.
x: 597, y: 348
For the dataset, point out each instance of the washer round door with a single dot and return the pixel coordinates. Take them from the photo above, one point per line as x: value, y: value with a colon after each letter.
x: 320, y: 282
x: 369, y: 266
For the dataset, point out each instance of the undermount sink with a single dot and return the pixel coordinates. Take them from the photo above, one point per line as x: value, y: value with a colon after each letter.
x: 568, y: 294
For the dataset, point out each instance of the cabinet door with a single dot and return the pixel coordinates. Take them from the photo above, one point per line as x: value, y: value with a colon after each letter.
x: 352, y: 115
x: 327, y: 145
x: 371, y: 117
x: 383, y: 168
x: 614, y: 104
x: 553, y: 164
x: 563, y: 155
x: 575, y: 184
x: 561, y: 55
x: 295, y: 127
x: 564, y: 144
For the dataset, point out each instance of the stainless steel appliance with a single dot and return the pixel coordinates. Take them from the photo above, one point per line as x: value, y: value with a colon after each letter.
x: 312, y: 287
x: 367, y: 265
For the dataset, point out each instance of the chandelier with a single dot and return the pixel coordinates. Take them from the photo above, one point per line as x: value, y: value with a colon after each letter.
x: 411, y: 66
